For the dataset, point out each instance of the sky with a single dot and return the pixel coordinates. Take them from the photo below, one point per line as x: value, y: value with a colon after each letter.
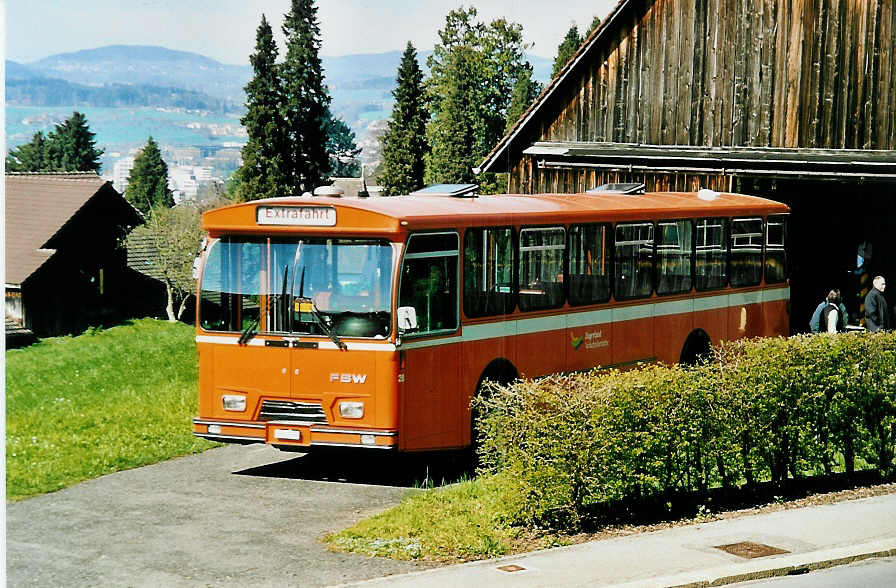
x: 225, y: 29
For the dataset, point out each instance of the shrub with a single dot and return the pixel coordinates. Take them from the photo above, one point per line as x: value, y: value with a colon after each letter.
x: 764, y: 410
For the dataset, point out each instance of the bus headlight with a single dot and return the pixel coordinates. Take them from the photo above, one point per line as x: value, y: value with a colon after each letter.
x: 351, y: 410
x: 234, y: 402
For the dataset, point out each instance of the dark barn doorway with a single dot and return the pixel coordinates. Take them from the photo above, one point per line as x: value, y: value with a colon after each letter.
x: 829, y: 220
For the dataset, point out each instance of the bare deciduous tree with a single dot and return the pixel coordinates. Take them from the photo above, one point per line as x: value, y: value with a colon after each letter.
x: 174, y: 236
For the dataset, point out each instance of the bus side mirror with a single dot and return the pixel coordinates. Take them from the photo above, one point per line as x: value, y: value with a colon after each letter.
x: 407, y: 319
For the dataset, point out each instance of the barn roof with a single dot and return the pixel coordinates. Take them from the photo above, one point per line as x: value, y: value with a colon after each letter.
x: 494, y: 158
x: 38, y: 206
x: 617, y: 156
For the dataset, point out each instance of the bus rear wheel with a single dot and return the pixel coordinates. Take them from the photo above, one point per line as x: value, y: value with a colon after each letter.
x: 500, y: 372
x: 697, y: 348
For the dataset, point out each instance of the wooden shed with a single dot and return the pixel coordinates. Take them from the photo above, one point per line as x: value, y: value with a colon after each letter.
x: 65, y: 263
x: 793, y: 100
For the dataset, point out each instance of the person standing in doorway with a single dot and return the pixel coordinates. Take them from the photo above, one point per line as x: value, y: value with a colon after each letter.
x: 833, y: 316
x: 818, y: 323
x: 877, y: 313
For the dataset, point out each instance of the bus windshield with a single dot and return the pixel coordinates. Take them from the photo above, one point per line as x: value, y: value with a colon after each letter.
x: 255, y: 283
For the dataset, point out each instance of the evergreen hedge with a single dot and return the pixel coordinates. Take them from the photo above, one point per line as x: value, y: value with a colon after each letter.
x: 764, y: 410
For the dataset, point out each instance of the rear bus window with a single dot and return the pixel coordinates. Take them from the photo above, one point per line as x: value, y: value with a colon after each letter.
x: 541, y: 268
x: 633, y: 271
x: 746, y: 251
x: 429, y: 281
x: 711, y: 270
x: 589, y: 264
x: 673, y: 256
x: 775, y: 255
x: 488, y: 272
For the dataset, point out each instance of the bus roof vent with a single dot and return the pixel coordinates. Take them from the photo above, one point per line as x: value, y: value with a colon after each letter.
x: 453, y: 190
x: 707, y: 194
x: 332, y: 191
x: 632, y: 189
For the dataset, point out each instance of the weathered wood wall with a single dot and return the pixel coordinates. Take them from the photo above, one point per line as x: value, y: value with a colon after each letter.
x: 763, y: 73
x: 527, y: 178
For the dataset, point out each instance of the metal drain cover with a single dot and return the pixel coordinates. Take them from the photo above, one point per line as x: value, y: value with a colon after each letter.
x: 749, y: 550
x: 511, y: 568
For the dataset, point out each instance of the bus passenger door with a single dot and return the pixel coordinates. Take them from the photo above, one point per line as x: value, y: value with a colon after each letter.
x: 430, y: 404
x: 429, y: 407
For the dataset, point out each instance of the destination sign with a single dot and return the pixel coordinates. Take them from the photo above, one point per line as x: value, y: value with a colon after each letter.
x: 303, y: 216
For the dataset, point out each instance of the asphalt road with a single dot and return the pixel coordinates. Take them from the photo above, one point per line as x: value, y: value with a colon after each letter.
x: 863, y: 574
x: 242, y: 516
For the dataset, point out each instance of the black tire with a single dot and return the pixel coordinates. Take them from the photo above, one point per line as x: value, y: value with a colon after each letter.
x: 499, y: 371
x: 697, y: 348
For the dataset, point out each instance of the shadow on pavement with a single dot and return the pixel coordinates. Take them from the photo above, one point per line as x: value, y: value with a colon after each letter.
x: 421, y: 470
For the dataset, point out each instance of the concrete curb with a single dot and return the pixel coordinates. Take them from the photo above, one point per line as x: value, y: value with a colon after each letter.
x: 796, y: 564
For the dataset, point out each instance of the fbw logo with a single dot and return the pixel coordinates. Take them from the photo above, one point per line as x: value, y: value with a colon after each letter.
x: 348, y: 378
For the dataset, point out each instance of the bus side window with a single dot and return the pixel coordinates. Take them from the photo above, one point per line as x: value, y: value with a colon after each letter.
x: 589, y: 264
x: 775, y: 254
x: 429, y: 281
x: 712, y: 253
x: 488, y: 272
x: 673, y: 256
x: 541, y: 268
x: 633, y: 260
x: 746, y: 251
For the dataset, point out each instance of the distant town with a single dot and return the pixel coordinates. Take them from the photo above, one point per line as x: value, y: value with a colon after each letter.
x: 193, y: 171
x: 190, y: 104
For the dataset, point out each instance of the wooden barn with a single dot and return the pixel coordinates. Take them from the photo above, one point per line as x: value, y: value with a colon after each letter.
x: 65, y: 263
x: 793, y: 100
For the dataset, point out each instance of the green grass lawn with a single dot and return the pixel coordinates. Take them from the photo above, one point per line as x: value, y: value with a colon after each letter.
x: 464, y: 521
x: 107, y: 400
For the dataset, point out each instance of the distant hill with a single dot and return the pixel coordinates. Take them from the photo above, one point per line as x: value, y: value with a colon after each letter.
x: 375, y: 67
x: 158, y: 66
x: 17, y: 71
x: 147, y: 65
x: 55, y: 92
x: 138, y: 75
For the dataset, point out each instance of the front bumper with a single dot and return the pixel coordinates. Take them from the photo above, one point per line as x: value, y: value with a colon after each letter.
x: 293, y: 434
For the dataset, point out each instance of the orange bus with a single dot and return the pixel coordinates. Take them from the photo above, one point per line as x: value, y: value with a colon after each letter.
x: 325, y: 321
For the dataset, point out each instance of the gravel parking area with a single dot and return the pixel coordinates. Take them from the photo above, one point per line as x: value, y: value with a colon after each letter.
x: 243, y: 516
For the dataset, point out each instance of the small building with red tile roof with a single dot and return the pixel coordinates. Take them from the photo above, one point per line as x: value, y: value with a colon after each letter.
x: 65, y: 258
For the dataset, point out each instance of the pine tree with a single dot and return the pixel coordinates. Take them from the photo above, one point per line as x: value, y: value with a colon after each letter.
x: 306, y: 100
x: 567, y: 49
x: 404, y: 143
x: 148, y: 182
x: 72, y: 146
x: 493, y: 61
x: 261, y: 174
x: 452, y: 132
x: 524, y: 93
x: 30, y: 157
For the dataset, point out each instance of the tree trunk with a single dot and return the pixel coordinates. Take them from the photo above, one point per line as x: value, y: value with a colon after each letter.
x: 170, y: 307
x: 183, y: 306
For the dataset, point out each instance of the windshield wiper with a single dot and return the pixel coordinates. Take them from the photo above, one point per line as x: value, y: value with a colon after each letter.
x: 248, y: 332
x: 322, y: 322
x: 284, y: 306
